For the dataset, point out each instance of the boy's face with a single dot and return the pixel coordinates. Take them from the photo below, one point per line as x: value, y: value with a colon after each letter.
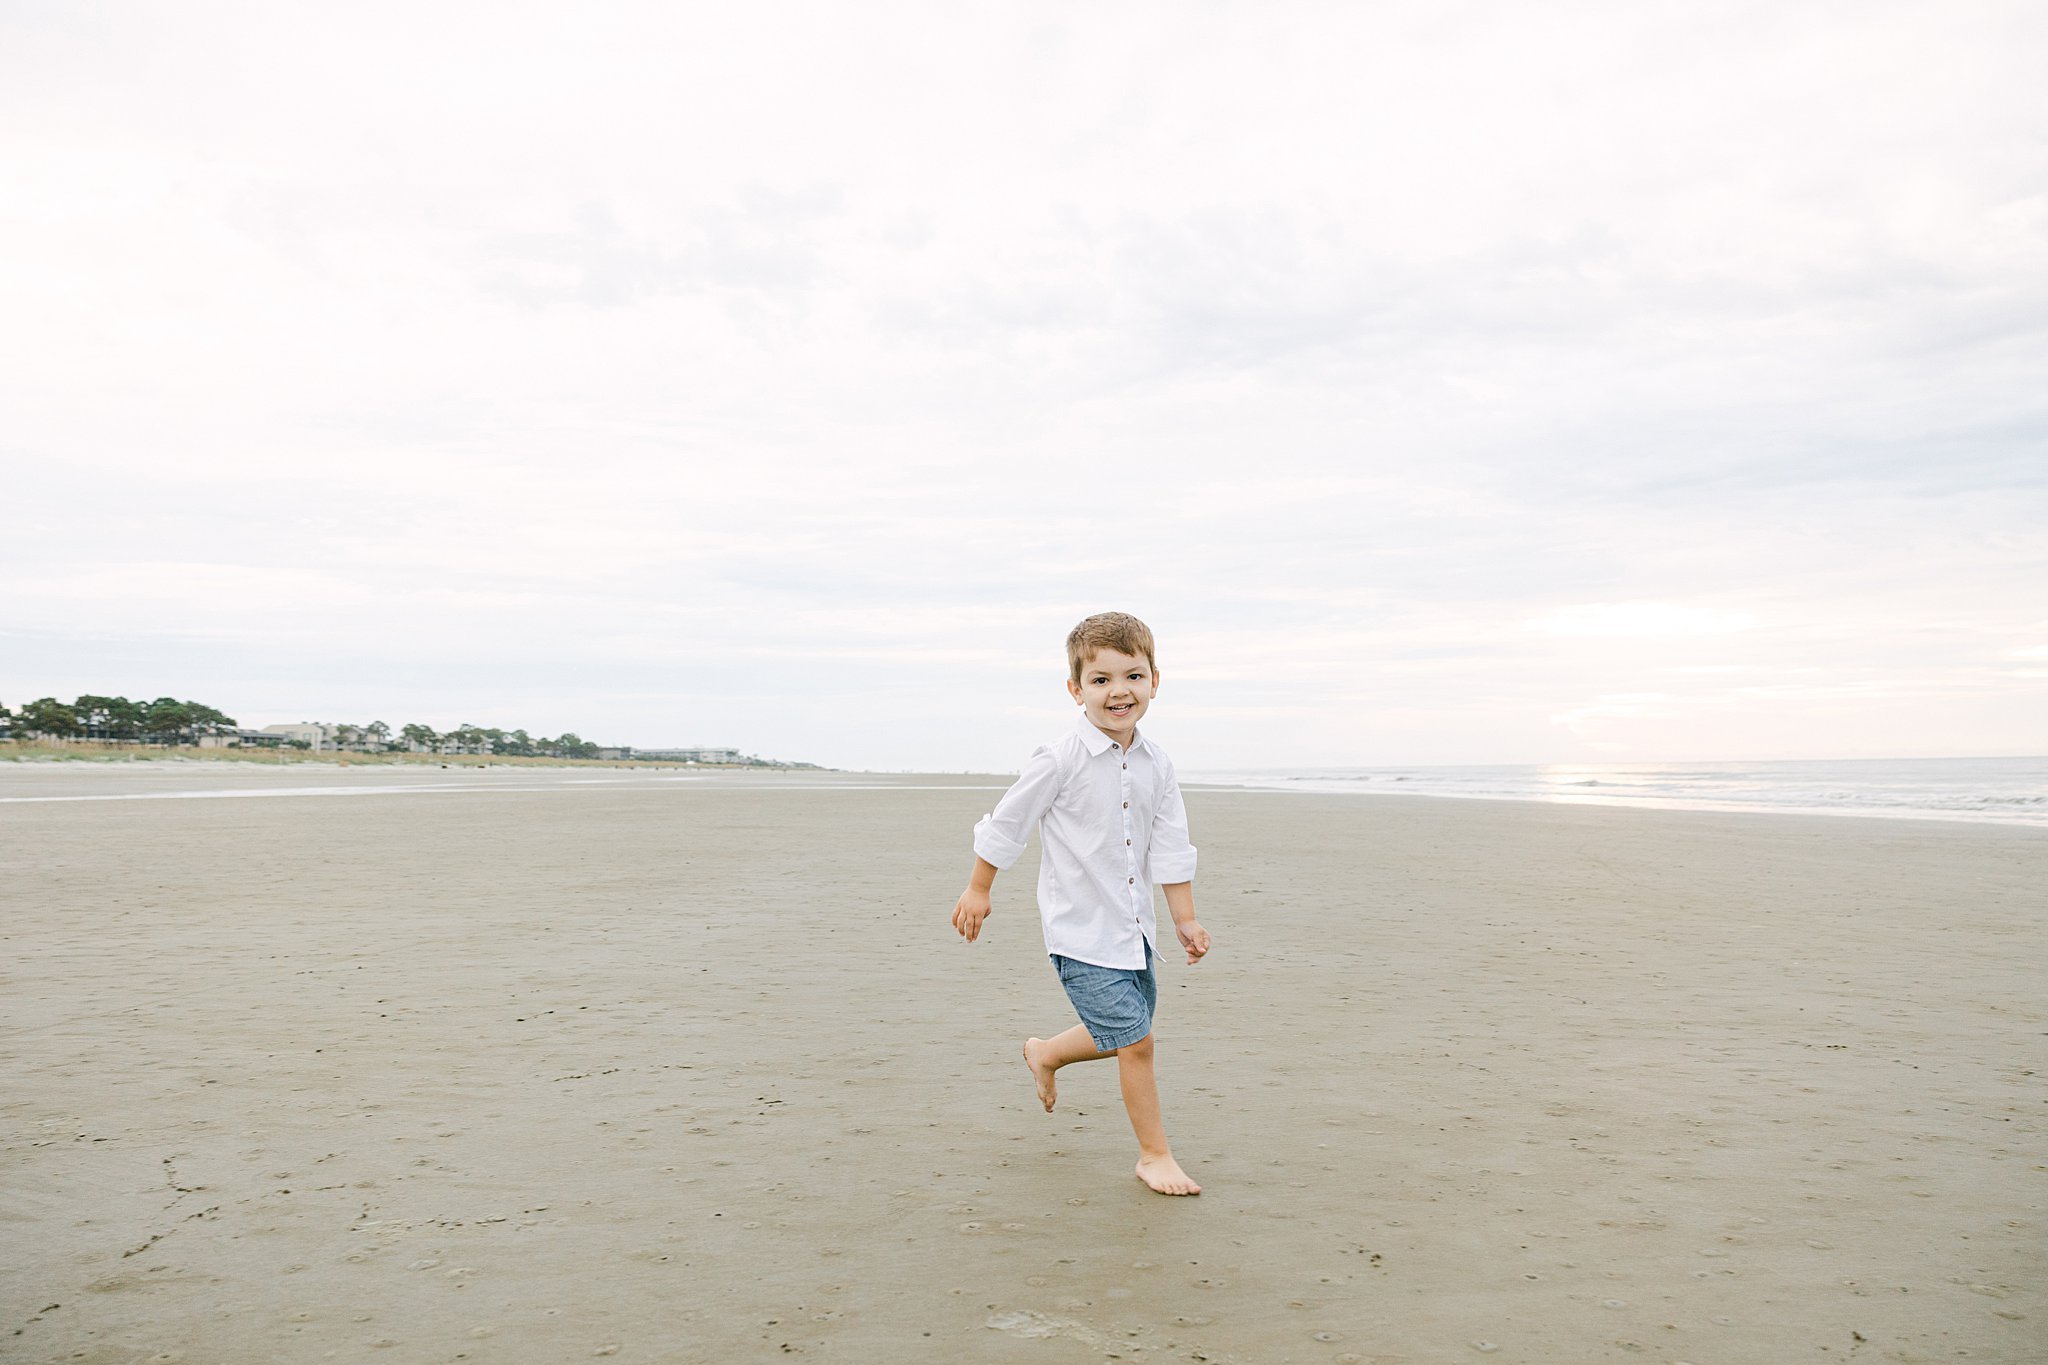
x: 1114, y: 690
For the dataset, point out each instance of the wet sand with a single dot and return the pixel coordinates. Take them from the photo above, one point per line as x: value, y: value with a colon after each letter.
x: 534, y: 1067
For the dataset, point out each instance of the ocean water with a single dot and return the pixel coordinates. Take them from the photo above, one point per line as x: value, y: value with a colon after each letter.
x: 2005, y: 791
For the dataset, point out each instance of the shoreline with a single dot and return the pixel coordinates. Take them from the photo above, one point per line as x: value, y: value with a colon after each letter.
x: 1660, y: 805
x: 2009, y: 791
x: 427, y: 768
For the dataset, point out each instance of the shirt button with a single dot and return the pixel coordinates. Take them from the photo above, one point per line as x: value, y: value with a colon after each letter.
x: 1127, y: 841
x: 1127, y: 805
x: 1133, y: 880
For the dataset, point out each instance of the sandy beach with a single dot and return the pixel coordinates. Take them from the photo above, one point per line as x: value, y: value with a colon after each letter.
x: 540, y: 1067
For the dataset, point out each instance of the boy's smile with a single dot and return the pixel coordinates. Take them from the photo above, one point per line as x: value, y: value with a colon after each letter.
x: 1114, y: 691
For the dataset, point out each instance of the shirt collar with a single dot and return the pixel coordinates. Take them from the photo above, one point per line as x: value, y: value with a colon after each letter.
x: 1096, y: 742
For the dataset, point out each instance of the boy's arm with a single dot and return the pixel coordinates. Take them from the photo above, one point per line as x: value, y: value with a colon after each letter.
x: 1180, y: 903
x: 1000, y: 837
x: 1172, y: 861
x: 972, y: 908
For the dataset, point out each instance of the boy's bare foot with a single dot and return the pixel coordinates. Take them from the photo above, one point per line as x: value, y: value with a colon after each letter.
x: 1041, y: 1074
x: 1164, y: 1174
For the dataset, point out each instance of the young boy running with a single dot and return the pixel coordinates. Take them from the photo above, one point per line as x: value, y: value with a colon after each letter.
x: 1111, y: 823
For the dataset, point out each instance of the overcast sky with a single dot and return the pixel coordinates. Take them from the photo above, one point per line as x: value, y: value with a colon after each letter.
x: 1443, y: 382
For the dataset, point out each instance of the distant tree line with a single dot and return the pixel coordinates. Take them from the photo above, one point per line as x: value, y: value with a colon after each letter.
x: 163, y: 721
x: 477, y: 739
x: 170, y: 721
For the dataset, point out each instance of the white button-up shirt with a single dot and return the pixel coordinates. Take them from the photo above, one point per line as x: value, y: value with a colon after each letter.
x: 1111, y: 823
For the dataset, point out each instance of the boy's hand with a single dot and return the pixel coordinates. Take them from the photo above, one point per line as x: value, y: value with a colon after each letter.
x: 970, y: 912
x: 1194, y: 938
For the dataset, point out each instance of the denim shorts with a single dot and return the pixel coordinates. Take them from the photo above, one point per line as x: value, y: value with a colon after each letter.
x: 1114, y: 1002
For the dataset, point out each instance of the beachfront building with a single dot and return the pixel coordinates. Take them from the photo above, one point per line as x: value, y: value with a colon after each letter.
x: 241, y: 738
x: 311, y: 733
x: 693, y: 755
x: 321, y: 737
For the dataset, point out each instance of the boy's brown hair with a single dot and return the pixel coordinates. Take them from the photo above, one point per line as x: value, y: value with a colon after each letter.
x: 1116, y: 630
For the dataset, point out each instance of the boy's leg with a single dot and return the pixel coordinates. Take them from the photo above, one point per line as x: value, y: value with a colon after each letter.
x: 1156, y: 1166
x: 1047, y: 1055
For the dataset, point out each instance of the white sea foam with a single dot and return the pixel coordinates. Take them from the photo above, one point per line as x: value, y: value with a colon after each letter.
x: 2006, y: 791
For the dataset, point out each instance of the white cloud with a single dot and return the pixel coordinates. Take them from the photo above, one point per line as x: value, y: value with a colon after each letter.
x: 1647, y: 620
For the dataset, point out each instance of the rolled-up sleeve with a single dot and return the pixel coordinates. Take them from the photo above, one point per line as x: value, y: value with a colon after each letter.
x: 1004, y: 833
x: 1172, y: 857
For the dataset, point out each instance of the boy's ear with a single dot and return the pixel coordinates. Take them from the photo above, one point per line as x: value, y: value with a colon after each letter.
x: 1156, y: 675
x: 1074, y: 691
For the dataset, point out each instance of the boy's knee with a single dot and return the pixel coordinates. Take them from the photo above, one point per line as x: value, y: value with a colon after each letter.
x: 1138, y: 1051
